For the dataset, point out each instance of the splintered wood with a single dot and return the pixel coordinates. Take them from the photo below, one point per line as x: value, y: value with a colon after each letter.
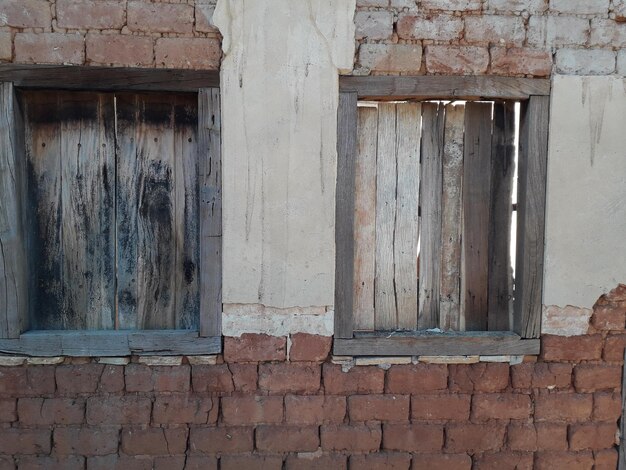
x: 437, y: 178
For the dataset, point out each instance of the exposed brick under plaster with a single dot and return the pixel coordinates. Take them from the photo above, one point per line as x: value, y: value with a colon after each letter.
x: 255, y: 409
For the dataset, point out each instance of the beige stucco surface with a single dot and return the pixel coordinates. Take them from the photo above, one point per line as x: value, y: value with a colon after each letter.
x: 586, y: 194
x: 279, y: 90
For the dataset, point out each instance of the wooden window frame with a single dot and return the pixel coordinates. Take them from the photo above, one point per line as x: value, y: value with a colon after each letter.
x: 15, y: 337
x: 534, y: 95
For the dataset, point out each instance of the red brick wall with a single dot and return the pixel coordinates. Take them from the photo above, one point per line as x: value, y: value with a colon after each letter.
x: 560, y: 410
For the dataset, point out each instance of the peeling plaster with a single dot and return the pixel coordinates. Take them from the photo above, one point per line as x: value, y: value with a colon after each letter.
x: 565, y: 321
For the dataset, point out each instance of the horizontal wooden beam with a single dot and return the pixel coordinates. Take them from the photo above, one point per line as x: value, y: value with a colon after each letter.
x: 439, y: 87
x: 444, y: 344
x: 111, y: 343
x: 73, y: 77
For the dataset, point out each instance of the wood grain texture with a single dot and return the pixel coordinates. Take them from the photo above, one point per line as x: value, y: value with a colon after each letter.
x: 386, y: 316
x: 451, y: 218
x: 436, y: 345
x: 439, y: 87
x: 74, y: 77
x: 210, y: 211
x: 406, y: 231
x: 500, y: 218
x: 433, y: 116
x: 476, y: 205
x: 13, y: 267
x: 532, y: 167
x: 344, y: 215
x: 365, y: 219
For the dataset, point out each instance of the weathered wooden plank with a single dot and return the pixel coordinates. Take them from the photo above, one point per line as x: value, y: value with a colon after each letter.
x: 13, y: 267
x: 622, y: 427
x: 451, y: 226
x: 107, y: 78
x: 365, y: 219
x: 476, y: 199
x: 433, y: 116
x: 110, y: 343
x: 408, y: 123
x: 439, y: 87
x: 436, y: 345
x: 344, y: 214
x: 500, y: 218
x: 210, y: 211
x: 386, y: 316
x: 533, y: 155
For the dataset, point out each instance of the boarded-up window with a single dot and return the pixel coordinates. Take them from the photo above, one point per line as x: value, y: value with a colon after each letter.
x: 111, y: 223
x: 433, y: 214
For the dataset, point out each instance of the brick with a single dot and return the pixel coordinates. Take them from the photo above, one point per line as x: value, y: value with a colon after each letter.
x: 252, y: 410
x: 90, y: 14
x: 27, y: 381
x: 393, y: 58
x: 379, y: 407
x: 607, y: 406
x: 495, y: 30
x: 204, y: 16
x: 592, y: 377
x: 439, y: 27
x: 605, y: 459
x: 556, y: 31
x: 532, y: 437
x: 541, y: 375
x: 522, y: 437
x: 49, y: 48
x: 353, y: 438
x: 531, y: 6
x: 580, y: 7
x: 326, y: 409
x: 214, y: 379
x: 358, y: 380
x: 170, y: 462
x: 8, y: 410
x: 86, y: 441
x: 504, y: 461
x: 226, y: 440
x: 245, y: 377
x: 185, y: 409
x: 571, y: 348
x: 75, y: 379
x: 614, y: 344
x: 551, y: 436
x: 290, y: 378
x: 441, y: 462
x: 252, y: 347
x: 280, y: 439
x: 386, y: 460
x: 251, y: 462
x: 521, y: 61
x: 160, y: 17
x: 119, y: 50
x: 6, y: 46
x: 154, y: 441
x: 316, y: 462
x: 452, y: 5
x: 7, y: 463
x: 593, y: 436
x: 112, y: 379
x: 501, y: 406
x: 120, y: 462
x: 201, y: 462
x: 417, y: 378
x: 200, y: 53
x: 373, y: 24
x: 474, y: 437
x: 309, y: 348
x: 480, y: 377
x: 441, y: 407
x: 24, y: 441
x: 568, y: 460
x: 608, y: 33
x: 142, y: 378
x: 563, y: 407
x: 25, y: 13
x: 457, y: 59
x: 65, y: 462
x: 40, y: 411
x: 118, y: 410
x: 413, y: 437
